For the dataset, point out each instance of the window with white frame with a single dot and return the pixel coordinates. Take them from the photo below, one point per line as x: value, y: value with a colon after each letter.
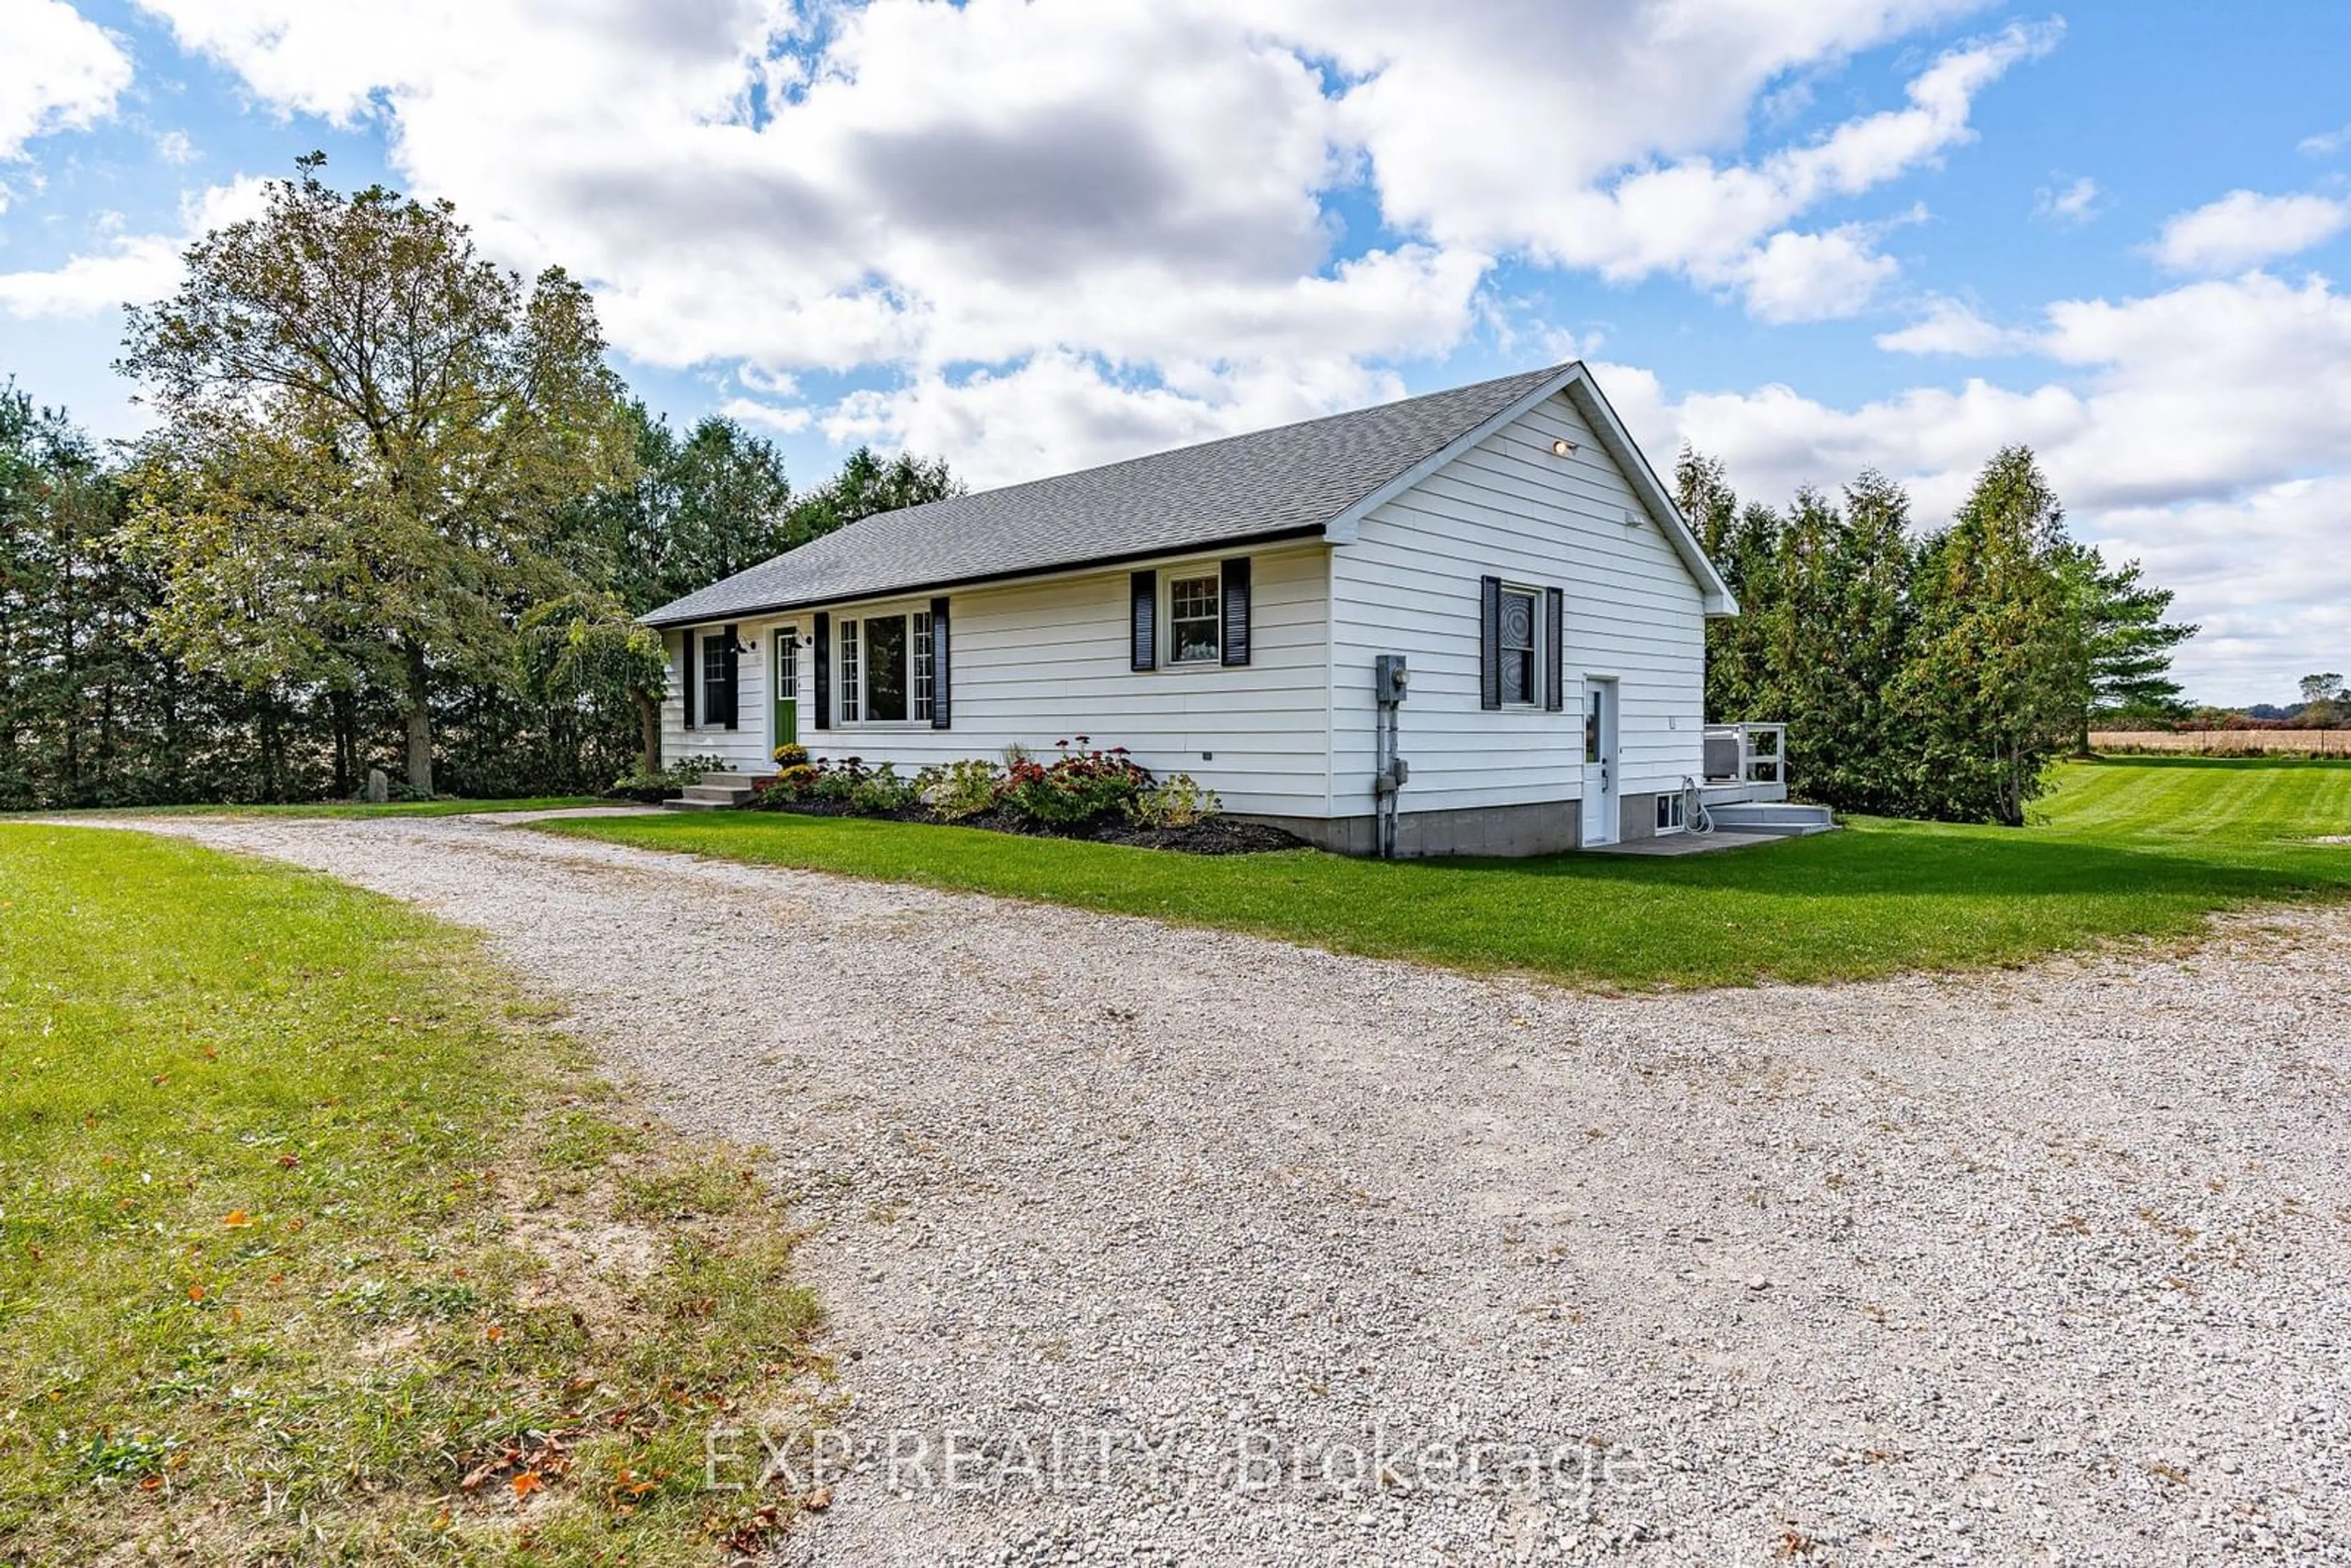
x: 848, y: 672
x: 714, y: 680
x: 886, y: 668
x: 1520, y: 636
x: 788, y: 662
x: 919, y: 656
x: 1195, y: 618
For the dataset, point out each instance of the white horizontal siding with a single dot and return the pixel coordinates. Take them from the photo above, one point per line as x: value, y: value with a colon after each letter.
x: 743, y: 749
x: 1036, y: 663
x: 1509, y: 509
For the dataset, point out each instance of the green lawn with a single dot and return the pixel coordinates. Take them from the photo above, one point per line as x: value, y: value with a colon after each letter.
x: 2137, y: 847
x: 349, y: 808
x: 306, y: 1225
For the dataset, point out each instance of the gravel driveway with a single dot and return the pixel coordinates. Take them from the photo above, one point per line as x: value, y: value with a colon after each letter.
x: 1198, y: 1248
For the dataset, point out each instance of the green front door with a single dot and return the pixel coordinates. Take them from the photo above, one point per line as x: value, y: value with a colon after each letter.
x: 786, y: 685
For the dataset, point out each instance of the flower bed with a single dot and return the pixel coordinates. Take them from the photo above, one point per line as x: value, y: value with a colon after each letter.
x: 1084, y: 792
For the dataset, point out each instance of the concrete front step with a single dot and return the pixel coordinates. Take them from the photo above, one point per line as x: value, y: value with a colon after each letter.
x: 717, y: 792
x: 1781, y: 817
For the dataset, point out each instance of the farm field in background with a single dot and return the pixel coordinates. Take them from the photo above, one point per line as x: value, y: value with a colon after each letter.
x: 2226, y: 742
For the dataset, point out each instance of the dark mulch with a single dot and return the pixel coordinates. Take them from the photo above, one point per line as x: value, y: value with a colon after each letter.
x: 1216, y: 836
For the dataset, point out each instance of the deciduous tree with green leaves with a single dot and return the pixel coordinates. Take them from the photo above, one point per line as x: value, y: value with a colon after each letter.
x: 372, y: 438
x: 868, y: 484
x: 2323, y: 699
x: 584, y: 653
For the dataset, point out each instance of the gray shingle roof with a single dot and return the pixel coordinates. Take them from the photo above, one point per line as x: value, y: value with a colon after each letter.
x: 1292, y: 479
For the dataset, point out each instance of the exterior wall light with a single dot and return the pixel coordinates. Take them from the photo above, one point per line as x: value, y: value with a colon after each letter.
x: 1563, y: 448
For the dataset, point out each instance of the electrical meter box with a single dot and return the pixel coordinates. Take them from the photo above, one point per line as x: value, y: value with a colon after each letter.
x: 1389, y: 678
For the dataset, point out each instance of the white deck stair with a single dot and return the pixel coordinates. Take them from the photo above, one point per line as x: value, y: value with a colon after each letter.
x: 717, y: 792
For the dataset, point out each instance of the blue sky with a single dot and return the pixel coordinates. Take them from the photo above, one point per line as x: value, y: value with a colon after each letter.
x: 1029, y: 235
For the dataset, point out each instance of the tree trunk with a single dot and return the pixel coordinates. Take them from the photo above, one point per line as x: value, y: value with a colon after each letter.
x: 267, y: 736
x: 420, y: 724
x: 338, y: 707
x: 2012, y: 789
x: 648, y: 731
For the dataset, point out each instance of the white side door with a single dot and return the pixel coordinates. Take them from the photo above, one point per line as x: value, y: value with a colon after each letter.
x: 1600, y: 814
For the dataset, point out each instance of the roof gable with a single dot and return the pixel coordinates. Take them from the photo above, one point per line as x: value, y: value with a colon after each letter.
x: 1576, y: 382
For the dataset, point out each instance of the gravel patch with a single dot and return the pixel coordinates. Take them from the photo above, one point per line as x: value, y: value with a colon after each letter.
x: 2045, y: 1266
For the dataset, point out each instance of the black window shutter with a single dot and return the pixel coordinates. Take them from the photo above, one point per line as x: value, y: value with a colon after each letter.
x: 941, y: 663
x: 1490, y: 642
x: 686, y: 659
x: 733, y: 646
x: 1555, y: 645
x: 1234, y: 575
x: 822, y: 649
x: 1144, y: 600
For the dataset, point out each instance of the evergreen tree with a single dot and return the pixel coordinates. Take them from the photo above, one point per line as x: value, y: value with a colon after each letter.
x: 2126, y: 645
x: 1863, y: 759
x: 1743, y: 543
x: 1990, y: 692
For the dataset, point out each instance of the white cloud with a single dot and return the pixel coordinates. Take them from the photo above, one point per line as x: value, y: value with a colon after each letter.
x: 2245, y: 228
x: 1951, y: 327
x: 2326, y: 144
x: 64, y: 72
x: 1136, y: 206
x: 767, y: 415
x: 1059, y: 410
x: 1797, y: 277
x: 2077, y: 202
x: 132, y: 269
x: 173, y: 147
x: 1453, y: 141
x: 2205, y: 429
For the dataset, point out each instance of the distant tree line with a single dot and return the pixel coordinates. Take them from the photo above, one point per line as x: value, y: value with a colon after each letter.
x: 1935, y: 675
x: 396, y: 511
x: 2326, y: 705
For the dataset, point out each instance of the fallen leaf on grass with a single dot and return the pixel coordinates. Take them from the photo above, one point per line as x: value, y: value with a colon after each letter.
x: 526, y: 1483
x: 236, y: 1220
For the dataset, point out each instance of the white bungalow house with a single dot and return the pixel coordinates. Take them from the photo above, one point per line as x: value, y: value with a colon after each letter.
x: 1221, y: 609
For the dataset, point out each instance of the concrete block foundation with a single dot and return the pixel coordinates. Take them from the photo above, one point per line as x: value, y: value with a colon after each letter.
x: 1542, y: 829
